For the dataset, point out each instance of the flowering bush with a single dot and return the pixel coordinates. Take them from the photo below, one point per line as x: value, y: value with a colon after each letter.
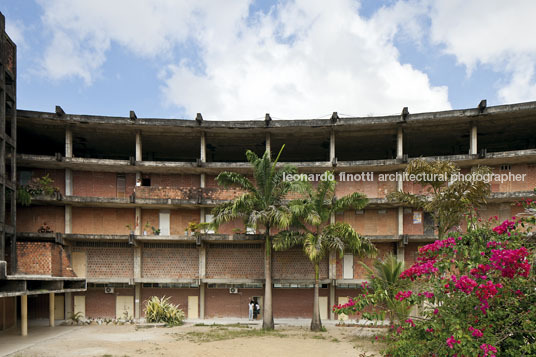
x: 481, y: 299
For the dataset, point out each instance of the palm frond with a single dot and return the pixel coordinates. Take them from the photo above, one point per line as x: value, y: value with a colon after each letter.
x: 227, y: 179
x: 354, y: 201
x: 287, y: 239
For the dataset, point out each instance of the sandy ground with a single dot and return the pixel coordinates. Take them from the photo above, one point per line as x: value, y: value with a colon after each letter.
x: 190, y: 340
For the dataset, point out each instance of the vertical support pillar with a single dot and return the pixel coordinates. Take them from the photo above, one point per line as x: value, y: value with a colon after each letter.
x: 137, y: 262
x: 15, y: 307
x: 139, y: 156
x: 68, y: 142
x: 137, y: 222
x: 399, y: 143
x: 202, y: 275
x: 51, y: 297
x: 24, y: 315
x: 332, y: 145
x: 68, y: 182
x: 474, y: 140
x: 203, y: 147
x: 269, y: 143
x: 202, y: 287
x: 68, y: 305
x: 400, y: 221
x: 68, y: 219
x: 137, y: 299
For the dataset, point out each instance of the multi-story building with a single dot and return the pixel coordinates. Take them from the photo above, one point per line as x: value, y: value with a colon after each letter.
x: 122, y: 180
x: 30, y: 272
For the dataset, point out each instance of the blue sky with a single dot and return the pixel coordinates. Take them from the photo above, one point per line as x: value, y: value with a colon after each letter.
x: 240, y: 59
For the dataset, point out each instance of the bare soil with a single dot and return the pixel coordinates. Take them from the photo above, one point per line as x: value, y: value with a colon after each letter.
x: 217, y: 340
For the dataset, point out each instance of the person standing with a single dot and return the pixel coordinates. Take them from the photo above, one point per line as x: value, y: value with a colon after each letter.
x: 251, y: 308
x: 257, y: 309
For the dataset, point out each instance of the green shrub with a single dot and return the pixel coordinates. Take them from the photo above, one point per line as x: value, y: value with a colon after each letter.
x: 160, y: 310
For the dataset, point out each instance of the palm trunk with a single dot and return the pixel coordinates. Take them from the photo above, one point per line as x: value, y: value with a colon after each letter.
x: 267, y: 316
x: 316, y: 324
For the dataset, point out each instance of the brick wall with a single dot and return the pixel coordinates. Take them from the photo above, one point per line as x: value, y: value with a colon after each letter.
x: 512, y: 186
x: 293, y: 264
x: 372, y: 189
x: 246, y: 263
x: 175, y: 180
x: 413, y: 228
x: 176, y: 296
x: 371, y: 222
x: 108, y: 262
x: 88, y: 220
x: 100, y: 304
x: 30, y: 219
x: 170, y: 263
x: 359, y: 271
x: 221, y: 303
x: 295, y: 302
x: 43, y: 258
x: 180, y: 218
x: 58, y: 176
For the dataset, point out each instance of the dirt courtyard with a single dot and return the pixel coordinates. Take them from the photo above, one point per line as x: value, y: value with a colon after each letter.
x: 206, y: 340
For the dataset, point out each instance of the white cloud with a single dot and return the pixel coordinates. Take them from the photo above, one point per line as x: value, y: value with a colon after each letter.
x: 15, y: 31
x: 495, y: 33
x: 303, y: 59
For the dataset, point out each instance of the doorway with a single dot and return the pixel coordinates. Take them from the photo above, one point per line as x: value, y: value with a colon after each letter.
x: 258, y: 300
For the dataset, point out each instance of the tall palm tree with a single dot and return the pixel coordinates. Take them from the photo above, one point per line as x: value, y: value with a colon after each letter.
x: 261, y: 206
x: 311, y: 229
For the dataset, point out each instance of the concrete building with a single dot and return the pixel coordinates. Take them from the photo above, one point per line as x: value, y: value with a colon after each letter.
x: 105, y: 220
x: 31, y: 273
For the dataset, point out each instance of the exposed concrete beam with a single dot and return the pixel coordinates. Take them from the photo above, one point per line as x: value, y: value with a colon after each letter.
x: 137, y: 301
x: 139, y: 152
x: 269, y: 143
x: 474, y: 140
x: 137, y: 221
x: 51, y: 297
x: 203, y: 147
x: 332, y: 152
x: 399, y: 143
x: 68, y: 142
x: 68, y: 219
x: 24, y: 315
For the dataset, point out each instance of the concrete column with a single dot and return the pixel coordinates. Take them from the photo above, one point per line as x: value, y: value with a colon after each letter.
x: 68, y: 306
x: 137, y: 262
x: 68, y: 142
x: 202, y: 288
x: 24, y: 315
x: 331, y: 300
x: 203, y: 145
x: 202, y: 215
x: 68, y: 219
x: 474, y: 141
x: 269, y: 143
x: 400, y: 248
x: 332, y: 145
x: 137, y: 229
x: 51, y: 309
x: 399, y: 143
x: 139, y: 156
x: 202, y: 275
x: 15, y: 307
x: 137, y: 303
x: 68, y: 182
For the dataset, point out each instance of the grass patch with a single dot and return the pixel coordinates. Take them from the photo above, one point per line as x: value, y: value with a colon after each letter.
x: 223, y: 333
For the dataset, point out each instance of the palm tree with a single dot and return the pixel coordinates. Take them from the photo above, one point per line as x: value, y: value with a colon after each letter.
x: 261, y: 206
x: 385, y: 281
x: 310, y: 228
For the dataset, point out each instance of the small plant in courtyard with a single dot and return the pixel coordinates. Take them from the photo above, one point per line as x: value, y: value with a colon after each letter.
x: 38, y: 186
x: 161, y: 310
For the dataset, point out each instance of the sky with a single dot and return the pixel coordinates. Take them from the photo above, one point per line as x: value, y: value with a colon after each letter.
x: 240, y: 59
